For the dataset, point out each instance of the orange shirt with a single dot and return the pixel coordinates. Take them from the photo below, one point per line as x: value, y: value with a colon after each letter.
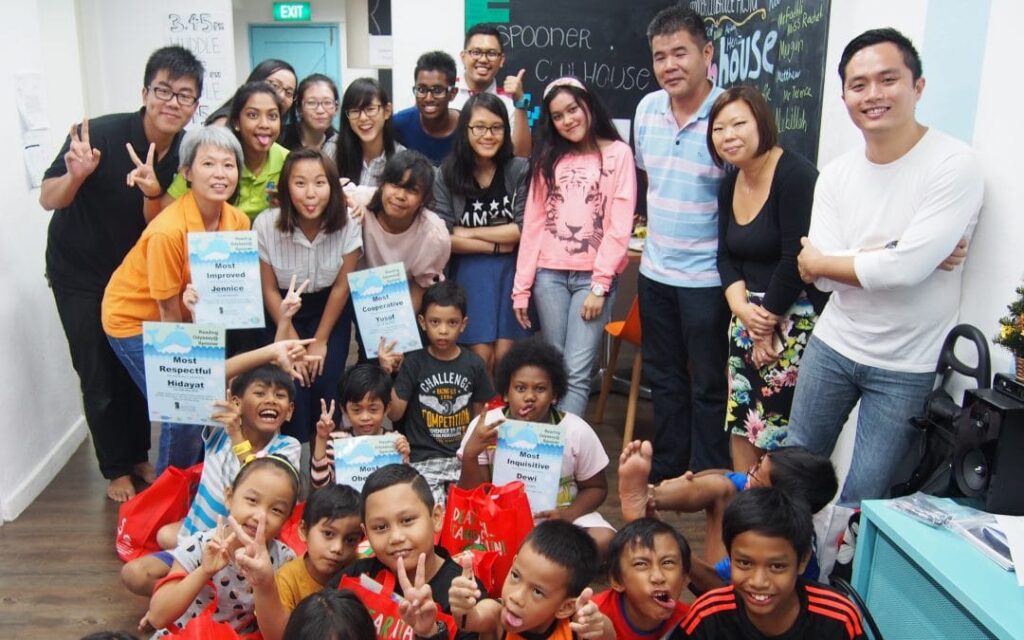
x: 157, y: 266
x: 562, y: 631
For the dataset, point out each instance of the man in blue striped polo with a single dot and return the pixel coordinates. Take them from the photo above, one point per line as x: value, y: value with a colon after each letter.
x: 683, y: 312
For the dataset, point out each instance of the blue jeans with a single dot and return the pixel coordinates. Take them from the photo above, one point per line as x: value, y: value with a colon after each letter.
x: 181, y: 445
x: 830, y: 385
x: 558, y: 296
x: 685, y: 349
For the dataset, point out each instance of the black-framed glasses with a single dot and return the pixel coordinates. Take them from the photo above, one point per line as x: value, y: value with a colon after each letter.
x: 756, y: 468
x: 278, y: 87
x: 479, y: 130
x: 164, y: 95
x: 490, y: 54
x: 370, y: 110
x: 325, y: 104
x: 438, y: 91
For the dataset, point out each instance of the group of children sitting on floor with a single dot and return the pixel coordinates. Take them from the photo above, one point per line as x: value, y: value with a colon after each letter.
x: 226, y: 555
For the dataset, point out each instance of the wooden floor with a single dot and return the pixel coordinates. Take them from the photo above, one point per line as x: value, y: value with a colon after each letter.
x: 59, y: 573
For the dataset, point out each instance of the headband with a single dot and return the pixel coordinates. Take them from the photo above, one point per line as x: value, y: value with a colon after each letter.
x: 263, y: 454
x: 565, y: 81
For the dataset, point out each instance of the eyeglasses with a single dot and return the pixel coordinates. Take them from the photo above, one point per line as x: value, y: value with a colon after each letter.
x: 278, y: 87
x: 752, y: 474
x: 479, y: 130
x: 326, y: 105
x: 164, y: 95
x: 438, y: 91
x: 369, y: 110
x: 490, y: 54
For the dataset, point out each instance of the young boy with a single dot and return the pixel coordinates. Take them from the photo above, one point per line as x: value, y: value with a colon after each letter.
x: 794, y: 470
x: 365, y: 394
x: 401, y: 520
x: 768, y: 536
x: 545, y: 589
x: 331, y: 529
x: 429, y: 126
x: 439, y: 389
x: 648, y: 567
x: 260, y: 402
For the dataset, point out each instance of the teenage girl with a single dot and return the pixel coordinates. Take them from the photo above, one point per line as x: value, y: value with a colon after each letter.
x: 277, y: 73
x: 579, y: 216
x: 366, y: 140
x: 310, y: 238
x: 259, y: 502
x: 312, y: 125
x: 480, y: 193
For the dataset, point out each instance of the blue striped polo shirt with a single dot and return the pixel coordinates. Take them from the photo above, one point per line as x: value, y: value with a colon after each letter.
x: 682, y: 193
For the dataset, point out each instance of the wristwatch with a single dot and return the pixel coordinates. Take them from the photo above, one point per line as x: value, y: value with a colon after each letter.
x: 440, y: 632
x: 598, y: 290
x: 522, y: 103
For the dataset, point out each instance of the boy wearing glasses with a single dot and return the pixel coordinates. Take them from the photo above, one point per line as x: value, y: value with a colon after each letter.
x: 98, y: 217
x: 482, y: 58
x: 429, y: 127
x: 795, y: 471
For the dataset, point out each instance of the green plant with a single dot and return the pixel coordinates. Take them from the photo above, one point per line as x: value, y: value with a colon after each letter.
x: 1011, y: 327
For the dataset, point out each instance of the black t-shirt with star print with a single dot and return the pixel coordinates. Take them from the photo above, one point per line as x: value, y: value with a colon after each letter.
x: 492, y: 208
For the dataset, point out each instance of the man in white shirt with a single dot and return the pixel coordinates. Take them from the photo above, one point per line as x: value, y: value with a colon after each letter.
x: 482, y: 59
x: 885, y: 219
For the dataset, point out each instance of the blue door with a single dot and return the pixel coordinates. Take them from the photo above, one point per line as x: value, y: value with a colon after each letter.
x: 309, y: 48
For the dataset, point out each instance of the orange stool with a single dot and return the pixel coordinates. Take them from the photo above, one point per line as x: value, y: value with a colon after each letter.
x: 628, y: 330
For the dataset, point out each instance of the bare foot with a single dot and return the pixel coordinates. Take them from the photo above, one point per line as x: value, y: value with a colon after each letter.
x: 144, y: 471
x: 121, y: 489
x: 634, y: 470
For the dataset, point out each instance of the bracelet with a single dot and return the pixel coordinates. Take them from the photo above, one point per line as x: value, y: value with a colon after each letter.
x: 497, y: 249
x: 242, y: 448
x: 156, y: 197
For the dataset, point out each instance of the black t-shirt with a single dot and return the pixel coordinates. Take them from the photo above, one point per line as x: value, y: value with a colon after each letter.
x: 88, y: 239
x: 825, y: 614
x: 491, y: 208
x: 439, y: 584
x: 440, y: 394
x: 763, y: 252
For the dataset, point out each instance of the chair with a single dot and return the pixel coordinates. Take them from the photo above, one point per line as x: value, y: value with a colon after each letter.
x: 628, y: 330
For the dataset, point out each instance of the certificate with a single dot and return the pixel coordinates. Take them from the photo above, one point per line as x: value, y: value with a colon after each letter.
x: 225, y: 269
x: 358, y: 457
x: 184, y: 371
x: 380, y: 297
x: 531, y: 453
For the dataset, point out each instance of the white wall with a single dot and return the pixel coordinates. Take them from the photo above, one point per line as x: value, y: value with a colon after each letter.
x: 423, y: 26
x: 38, y: 388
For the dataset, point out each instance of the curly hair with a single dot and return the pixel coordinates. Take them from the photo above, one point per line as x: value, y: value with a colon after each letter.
x: 533, y: 352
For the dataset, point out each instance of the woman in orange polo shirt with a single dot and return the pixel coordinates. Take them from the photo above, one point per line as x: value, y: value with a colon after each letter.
x: 149, y: 283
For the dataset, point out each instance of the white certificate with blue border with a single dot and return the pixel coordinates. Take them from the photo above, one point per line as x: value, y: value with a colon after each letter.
x: 358, y: 457
x: 225, y: 269
x: 383, y: 306
x: 531, y: 453
x: 184, y: 371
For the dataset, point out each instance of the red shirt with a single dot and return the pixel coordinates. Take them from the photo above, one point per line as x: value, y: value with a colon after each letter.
x: 612, y: 604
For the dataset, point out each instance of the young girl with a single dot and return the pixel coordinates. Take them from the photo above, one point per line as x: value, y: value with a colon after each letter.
x: 367, y: 141
x: 277, y: 73
x: 260, y: 501
x: 255, y: 119
x: 316, y: 103
x: 365, y: 395
x: 579, y: 215
x: 533, y: 378
x: 310, y: 238
x: 480, y: 193
x: 400, y: 228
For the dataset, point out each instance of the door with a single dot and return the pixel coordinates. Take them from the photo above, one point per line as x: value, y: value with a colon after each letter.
x: 309, y: 48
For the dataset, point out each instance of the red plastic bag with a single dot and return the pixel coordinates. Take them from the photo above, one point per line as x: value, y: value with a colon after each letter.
x: 290, y: 531
x: 488, y: 518
x: 204, y: 627
x: 383, y: 606
x: 165, y: 501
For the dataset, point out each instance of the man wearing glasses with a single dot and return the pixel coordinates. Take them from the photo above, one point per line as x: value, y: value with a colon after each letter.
x: 482, y: 58
x: 98, y: 216
x: 429, y: 127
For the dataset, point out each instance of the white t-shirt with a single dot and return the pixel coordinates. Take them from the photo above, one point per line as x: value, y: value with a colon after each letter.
x: 465, y: 93
x: 582, y: 459
x: 294, y: 254
x: 900, y: 220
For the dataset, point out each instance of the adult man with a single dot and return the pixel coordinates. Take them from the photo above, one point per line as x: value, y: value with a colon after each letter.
x: 682, y: 309
x: 429, y: 127
x: 884, y: 219
x: 482, y: 58
x: 98, y: 217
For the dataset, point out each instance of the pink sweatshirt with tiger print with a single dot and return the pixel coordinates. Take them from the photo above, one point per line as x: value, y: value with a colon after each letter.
x: 583, y: 223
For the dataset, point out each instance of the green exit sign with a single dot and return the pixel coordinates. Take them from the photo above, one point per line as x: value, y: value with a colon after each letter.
x: 292, y: 12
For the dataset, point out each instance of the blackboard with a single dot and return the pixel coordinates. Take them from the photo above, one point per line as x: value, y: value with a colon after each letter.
x: 776, y: 45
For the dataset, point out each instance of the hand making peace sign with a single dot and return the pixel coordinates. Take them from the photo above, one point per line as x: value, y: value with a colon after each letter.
x: 81, y: 159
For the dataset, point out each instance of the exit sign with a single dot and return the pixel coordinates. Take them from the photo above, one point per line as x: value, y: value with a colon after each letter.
x: 292, y: 12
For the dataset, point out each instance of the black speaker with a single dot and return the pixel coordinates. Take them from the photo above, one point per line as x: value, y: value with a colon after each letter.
x: 988, y: 459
